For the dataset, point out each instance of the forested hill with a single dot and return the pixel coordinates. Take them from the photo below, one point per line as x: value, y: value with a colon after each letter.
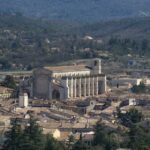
x: 78, y: 10
x: 135, y: 28
x: 27, y: 43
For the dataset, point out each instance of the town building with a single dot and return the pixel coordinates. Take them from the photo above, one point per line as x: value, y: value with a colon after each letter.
x: 69, y: 82
x: 5, y: 92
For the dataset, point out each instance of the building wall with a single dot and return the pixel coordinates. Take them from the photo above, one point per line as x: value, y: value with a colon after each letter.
x: 41, y: 80
x: 5, y: 92
x: 124, y: 81
x: 84, y: 86
x: 67, y: 74
x: 69, y: 85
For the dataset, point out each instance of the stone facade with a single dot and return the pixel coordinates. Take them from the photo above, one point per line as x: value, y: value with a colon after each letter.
x: 5, y: 93
x: 69, y: 82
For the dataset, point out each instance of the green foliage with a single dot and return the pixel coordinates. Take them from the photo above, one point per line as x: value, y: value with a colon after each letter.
x: 100, y: 136
x: 9, y: 82
x: 33, y: 137
x: 80, y: 145
x: 70, y: 142
x: 97, y: 148
x: 44, y: 42
x: 140, y: 88
x: 52, y: 144
x: 131, y: 117
x: 124, y: 46
x: 134, y: 115
x: 14, y: 137
x: 104, y: 138
x: 139, y: 138
x: 29, y: 138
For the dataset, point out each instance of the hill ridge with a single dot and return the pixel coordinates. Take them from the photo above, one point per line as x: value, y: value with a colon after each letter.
x: 78, y: 10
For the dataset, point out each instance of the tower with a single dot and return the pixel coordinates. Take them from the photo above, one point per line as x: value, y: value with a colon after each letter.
x: 96, y: 66
x: 23, y: 100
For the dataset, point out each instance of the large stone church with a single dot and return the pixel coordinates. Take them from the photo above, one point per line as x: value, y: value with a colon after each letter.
x: 69, y: 82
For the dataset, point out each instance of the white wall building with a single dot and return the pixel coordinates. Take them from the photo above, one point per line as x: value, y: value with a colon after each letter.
x: 23, y: 100
x: 69, y: 82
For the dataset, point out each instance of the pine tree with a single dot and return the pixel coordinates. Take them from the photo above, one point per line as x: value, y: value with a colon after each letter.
x: 13, y: 137
x: 80, y: 145
x: 52, y: 144
x: 29, y: 137
x: 100, y: 136
x: 33, y: 137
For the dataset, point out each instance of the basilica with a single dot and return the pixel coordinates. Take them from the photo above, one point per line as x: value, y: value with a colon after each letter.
x: 69, y: 82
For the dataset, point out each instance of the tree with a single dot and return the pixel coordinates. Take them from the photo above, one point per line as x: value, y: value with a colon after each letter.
x: 100, y: 136
x: 80, y: 145
x: 104, y: 138
x: 9, y: 82
x: 131, y: 117
x: 71, y: 141
x: 134, y: 115
x: 5, y: 63
x: 13, y: 137
x: 52, y: 144
x: 33, y: 137
x: 29, y: 137
x: 139, y: 138
x: 140, y: 88
x: 97, y: 148
x: 144, y: 45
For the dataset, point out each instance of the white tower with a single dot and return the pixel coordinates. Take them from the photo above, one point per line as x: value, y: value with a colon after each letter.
x: 23, y: 100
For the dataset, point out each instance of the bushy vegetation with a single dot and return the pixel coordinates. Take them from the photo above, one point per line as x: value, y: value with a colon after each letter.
x: 140, y: 89
x: 104, y: 138
x: 29, y: 138
x: 9, y: 82
x: 130, y: 118
x: 139, y: 138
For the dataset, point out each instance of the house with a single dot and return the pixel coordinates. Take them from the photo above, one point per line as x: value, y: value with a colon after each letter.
x: 54, y: 132
x: 5, y: 92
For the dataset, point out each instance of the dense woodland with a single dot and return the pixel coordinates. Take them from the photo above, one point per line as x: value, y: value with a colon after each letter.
x: 26, y: 43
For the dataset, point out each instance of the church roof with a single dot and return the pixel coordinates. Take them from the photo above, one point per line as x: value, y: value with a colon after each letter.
x: 68, y: 68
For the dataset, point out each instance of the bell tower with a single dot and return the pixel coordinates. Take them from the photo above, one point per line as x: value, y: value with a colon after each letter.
x: 96, y: 66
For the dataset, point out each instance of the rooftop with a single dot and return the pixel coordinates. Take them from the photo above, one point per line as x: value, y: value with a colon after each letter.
x: 68, y: 68
x: 5, y: 89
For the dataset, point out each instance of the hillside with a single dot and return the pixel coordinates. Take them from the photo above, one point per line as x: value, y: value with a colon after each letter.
x: 78, y: 10
x: 135, y: 28
x: 27, y: 43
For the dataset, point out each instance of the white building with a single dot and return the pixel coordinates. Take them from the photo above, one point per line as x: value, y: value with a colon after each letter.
x: 23, y: 100
x: 132, y: 102
x: 69, y: 82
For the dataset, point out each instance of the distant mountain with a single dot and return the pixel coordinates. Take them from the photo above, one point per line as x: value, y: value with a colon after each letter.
x: 78, y: 10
